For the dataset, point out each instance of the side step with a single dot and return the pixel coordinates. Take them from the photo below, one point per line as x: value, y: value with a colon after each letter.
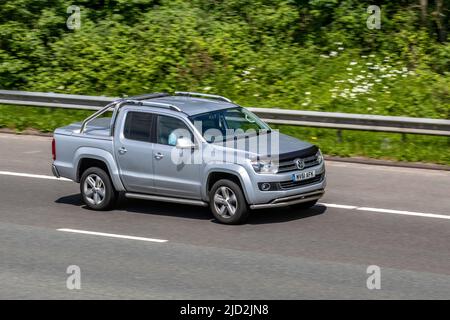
x: 166, y: 199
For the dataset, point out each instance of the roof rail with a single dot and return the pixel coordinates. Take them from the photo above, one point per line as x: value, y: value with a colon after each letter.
x: 206, y: 95
x: 117, y: 104
x: 155, y: 104
x: 149, y: 96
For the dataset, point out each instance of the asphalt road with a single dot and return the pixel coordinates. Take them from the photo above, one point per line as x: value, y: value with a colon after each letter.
x: 394, y: 218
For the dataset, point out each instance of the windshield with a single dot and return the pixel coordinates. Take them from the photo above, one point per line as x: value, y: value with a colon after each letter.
x: 228, y: 123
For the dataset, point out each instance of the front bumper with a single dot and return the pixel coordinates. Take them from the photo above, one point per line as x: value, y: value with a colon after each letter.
x: 291, y: 200
x: 257, y: 197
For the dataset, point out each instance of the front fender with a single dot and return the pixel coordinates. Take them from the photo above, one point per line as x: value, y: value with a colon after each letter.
x: 231, y: 168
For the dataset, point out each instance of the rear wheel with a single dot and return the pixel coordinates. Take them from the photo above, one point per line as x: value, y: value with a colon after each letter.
x: 97, y: 189
x: 227, y: 202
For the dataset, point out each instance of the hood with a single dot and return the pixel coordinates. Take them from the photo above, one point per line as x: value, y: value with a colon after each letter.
x: 279, y: 144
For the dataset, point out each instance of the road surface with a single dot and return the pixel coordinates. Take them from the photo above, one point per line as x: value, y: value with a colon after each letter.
x: 395, y: 218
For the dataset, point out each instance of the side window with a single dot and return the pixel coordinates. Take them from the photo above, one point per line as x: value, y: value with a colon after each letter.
x: 169, y: 129
x: 138, y: 126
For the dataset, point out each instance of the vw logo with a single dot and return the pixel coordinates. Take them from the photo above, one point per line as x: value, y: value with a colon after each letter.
x: 299, y: 163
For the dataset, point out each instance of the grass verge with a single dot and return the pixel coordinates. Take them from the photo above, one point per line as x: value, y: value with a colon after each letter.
x: 378, y: 145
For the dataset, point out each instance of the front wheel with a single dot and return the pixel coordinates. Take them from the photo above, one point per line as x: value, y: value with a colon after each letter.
x: 227, y: 202
x: 97, y: 189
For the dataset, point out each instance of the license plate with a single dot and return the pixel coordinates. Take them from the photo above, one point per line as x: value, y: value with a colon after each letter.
x: 303, y: 175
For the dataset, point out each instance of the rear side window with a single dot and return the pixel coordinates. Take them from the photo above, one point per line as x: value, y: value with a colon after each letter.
x: 138, y: 126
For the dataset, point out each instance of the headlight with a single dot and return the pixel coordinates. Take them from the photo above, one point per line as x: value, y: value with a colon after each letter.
x: 319, y: 157
x: 264, y: 166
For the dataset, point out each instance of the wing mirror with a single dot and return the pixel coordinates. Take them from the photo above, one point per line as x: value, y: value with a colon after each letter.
x: 185, y: 143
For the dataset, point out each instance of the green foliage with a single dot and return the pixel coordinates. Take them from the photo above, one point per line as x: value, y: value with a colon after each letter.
x: 296, y: 54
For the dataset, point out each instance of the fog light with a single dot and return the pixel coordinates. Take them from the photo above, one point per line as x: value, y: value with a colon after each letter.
x: 265, y: 186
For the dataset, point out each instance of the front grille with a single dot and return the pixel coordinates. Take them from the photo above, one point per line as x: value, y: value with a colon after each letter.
x: 289, y: 165
x: 295, y: 184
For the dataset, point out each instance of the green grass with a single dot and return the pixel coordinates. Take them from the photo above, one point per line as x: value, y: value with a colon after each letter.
x: 416, y: 148
x: 21, y: 118
x: 378, y: 145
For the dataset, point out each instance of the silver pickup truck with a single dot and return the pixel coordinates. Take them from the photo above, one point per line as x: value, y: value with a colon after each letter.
x: 188, y: 148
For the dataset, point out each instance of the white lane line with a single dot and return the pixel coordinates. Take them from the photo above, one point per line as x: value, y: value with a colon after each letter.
x: 112, y: 235
x: 29, y: 175
x: 406, y: 213
x: 339, y: 206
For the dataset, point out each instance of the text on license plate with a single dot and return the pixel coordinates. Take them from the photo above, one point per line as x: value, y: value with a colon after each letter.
x: 303, y: 175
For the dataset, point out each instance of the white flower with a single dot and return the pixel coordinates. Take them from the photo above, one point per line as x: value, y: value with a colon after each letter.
x: 307, y: 93
x: 324, y: 56
x: 207, y: 88
x: 340, y: 48
x: 353, y: 63
x: 333, y: 54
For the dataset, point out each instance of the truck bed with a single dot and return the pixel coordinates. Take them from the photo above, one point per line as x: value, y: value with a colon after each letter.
x: 97, y: 127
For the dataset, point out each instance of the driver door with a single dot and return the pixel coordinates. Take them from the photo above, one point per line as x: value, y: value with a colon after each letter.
x: 172, y: 178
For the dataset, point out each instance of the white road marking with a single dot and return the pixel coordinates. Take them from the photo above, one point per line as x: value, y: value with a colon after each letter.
x: 407, y: 213
x: 112, y: 235
x: 330, y: 205
x: 396, y: 169
x: 339, y: 206
x: 29, y: 175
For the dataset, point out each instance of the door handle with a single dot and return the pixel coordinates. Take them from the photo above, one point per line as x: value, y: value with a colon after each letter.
x: 159, y: 156
x: 122, y: 150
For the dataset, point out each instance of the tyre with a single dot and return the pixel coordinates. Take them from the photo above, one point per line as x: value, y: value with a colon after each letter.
x: 97, y: 190
x: 227, y: 202
x: 304, y: 205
